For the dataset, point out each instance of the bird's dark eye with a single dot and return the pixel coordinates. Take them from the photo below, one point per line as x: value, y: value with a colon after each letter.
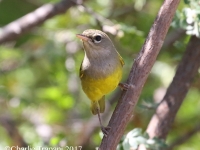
x: 97, y: 39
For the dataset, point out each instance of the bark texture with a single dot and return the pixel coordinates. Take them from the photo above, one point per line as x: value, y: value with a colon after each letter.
x: 138, y: 75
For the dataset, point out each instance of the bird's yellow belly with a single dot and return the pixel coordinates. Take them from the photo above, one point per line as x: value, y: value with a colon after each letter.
x: 96, y: 88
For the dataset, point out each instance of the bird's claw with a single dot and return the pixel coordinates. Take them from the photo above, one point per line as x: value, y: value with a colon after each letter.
x: 105, y: 130
x: 124, y: 86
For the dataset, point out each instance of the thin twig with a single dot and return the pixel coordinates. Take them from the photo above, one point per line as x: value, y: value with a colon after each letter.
x: 183, y: 138
x: 173, y: 36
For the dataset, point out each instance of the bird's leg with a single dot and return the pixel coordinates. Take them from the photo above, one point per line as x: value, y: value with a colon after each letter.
x: 105, y: 130
x: 124, y: 86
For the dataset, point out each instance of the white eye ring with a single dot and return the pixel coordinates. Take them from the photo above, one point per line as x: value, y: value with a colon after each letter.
x: 97, y: 38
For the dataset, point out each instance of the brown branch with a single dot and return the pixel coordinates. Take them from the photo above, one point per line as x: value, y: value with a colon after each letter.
x: 162, y: 120
x: 182, y: 139
x: 24, y: 24
x: 138, y: 75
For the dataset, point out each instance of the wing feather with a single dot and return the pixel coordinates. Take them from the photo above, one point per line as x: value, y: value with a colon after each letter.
x: 121, y: 59
x: 81, y: 71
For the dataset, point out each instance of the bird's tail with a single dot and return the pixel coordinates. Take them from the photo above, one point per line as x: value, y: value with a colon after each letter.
x: 98, y: 105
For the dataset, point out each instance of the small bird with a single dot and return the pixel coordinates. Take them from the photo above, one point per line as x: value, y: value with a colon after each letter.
x: 100, y: 71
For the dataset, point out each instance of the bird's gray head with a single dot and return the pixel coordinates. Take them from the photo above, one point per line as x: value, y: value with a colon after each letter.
x: 96, y: 43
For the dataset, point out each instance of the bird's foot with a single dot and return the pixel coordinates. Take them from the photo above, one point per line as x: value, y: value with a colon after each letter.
x: 105, y: 130
x: 124, y: 86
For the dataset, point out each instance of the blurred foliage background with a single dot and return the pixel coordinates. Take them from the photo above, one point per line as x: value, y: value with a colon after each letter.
x: 41, y: 101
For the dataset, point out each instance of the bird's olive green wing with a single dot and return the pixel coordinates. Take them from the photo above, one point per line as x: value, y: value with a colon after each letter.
x: 81, y: 71
x: 121, y: 59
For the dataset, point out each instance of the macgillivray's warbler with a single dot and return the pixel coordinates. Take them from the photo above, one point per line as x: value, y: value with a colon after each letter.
x: 100, y: 71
